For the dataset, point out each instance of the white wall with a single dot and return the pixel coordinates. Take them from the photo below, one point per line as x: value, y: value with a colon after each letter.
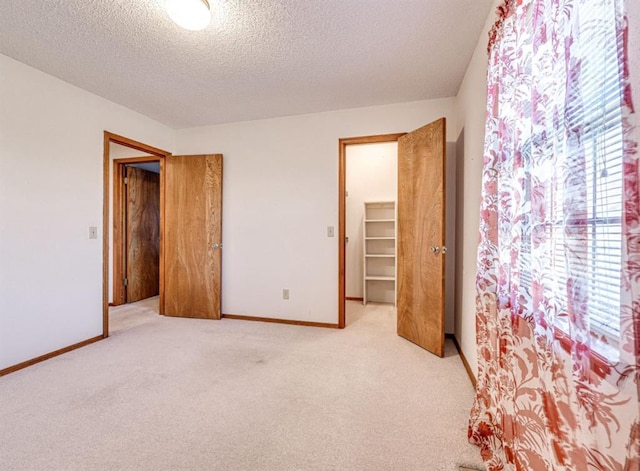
x: 51, y: 145
x: 372, y: 175
x: 280, y: 192
x: 470, y: 112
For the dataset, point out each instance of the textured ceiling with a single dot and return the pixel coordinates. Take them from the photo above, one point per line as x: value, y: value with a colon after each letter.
x: 260, y: 58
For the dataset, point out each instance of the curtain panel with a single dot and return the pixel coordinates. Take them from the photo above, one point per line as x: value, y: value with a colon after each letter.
x: 558, y: 277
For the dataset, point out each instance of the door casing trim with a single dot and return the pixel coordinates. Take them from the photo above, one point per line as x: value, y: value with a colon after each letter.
x: 342, y: 210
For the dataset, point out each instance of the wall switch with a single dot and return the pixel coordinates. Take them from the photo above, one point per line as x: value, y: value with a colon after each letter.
x: 330, y: 231
x: 285, y: 293
x: 93, y: 232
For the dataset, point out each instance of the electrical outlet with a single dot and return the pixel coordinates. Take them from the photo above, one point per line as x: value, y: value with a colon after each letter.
x: 285, y: 293
x: 330, y: 231
x: 93, y: 232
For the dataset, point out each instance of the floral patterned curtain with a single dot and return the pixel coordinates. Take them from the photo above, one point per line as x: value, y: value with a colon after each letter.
x: 558, y: 329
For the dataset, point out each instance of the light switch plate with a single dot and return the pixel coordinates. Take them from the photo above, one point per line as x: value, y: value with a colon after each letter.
x: 330, y: 231
x: 93, y: 232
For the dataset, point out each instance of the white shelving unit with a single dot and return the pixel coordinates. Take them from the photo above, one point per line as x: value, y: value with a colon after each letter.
x: 379, y: 232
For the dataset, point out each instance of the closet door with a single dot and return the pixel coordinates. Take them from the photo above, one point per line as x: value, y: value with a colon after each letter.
x: 193, y: 236
x: 142, y: 234
x: 421, y: 236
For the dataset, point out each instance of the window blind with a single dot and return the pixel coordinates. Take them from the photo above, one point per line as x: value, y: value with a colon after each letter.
x: 587, y: 247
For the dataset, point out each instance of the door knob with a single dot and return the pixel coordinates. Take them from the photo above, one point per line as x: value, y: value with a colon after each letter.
x: 217, y: 246
x: 435, y: 250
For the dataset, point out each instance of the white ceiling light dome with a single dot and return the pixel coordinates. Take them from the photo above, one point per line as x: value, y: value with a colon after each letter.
x: 194, y: 15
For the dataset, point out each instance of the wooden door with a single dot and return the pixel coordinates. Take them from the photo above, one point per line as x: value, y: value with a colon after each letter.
x: 421, y: 236
x: 193, y: 236
x: 142, y: 234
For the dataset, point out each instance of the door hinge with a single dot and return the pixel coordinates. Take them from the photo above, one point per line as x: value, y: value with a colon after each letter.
x: 126, y: 180
x: 125, y: 282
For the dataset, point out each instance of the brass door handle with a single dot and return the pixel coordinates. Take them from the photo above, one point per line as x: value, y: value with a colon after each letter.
x: 216, y: 246
x: 435, y: 250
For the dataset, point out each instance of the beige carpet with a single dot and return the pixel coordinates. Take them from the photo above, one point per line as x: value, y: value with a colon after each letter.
x: 184, y: 394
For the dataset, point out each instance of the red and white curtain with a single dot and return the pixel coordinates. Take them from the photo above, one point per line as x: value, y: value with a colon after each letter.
x: 558, y: 366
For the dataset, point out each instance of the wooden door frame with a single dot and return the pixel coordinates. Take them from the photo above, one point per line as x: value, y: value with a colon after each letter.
x: 119, y: 229
x: 342, y: 209
x: 159, y: 155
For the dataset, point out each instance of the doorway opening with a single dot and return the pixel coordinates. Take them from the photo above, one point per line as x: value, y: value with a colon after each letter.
x: 367, y: 191
x: 136, y: 240
x: 370, y: 241
x: 118, y: 233
x: 136, y: 229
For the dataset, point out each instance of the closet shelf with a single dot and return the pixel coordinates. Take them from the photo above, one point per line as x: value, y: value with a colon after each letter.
x: 379, y: 234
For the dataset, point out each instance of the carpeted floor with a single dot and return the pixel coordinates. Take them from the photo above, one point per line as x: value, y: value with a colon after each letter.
x: 183, y: 394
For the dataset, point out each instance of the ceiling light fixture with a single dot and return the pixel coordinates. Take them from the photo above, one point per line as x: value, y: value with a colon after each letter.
x: 193, y: 15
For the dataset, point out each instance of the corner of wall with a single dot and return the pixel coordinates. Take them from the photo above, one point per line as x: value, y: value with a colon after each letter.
x: 470, y: 111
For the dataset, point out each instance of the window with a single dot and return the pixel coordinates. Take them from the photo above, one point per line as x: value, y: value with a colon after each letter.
x: 587, y: 243
x: 559, y: 252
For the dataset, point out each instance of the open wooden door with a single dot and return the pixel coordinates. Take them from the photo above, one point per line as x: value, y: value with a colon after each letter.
x: 421, y: 236
x: 142, y: 207
x: 192, y: 236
